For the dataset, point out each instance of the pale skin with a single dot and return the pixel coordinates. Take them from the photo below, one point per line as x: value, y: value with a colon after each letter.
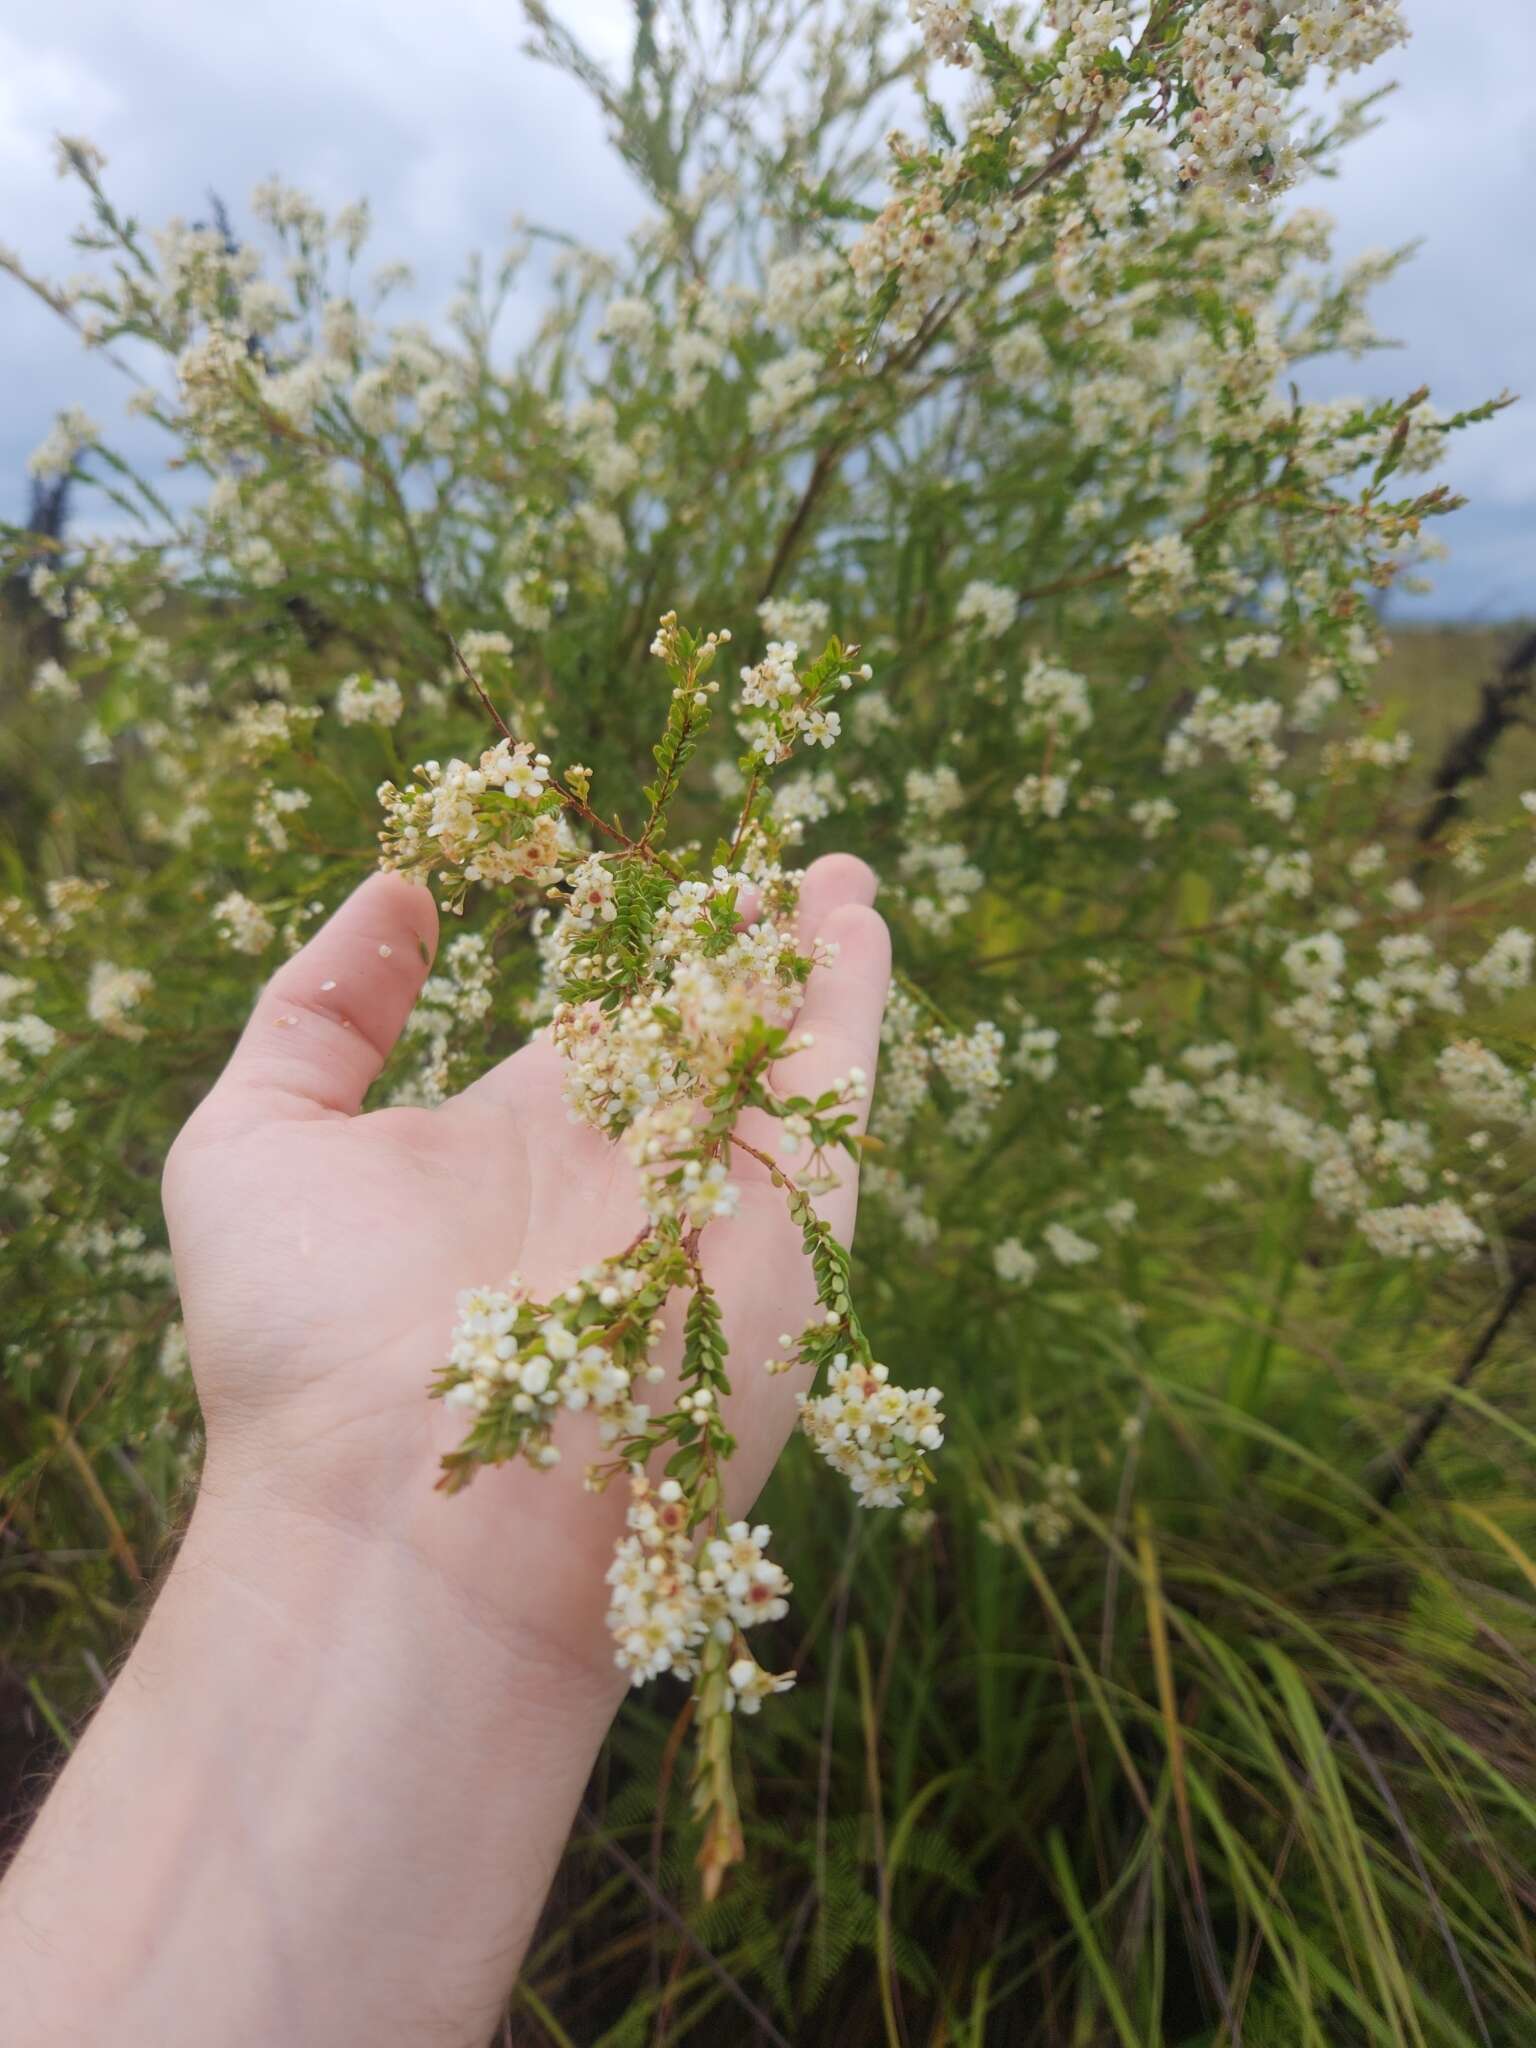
x: 325, y: 1796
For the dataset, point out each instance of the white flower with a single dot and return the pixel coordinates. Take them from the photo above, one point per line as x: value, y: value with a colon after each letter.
x: 1507, y: 963
x: 1161, y: 572
x: 1316, y: 963
x: 1152, y: 815
x: 71, y: 434
x: 755, y: 1588
x: 114, y: 994
x: 369, y: 700
x: 988, y: 607
x: 1421, y: 1231
x: 531, y: 600
x: 751, y: 1685
x: 50, y: 680
x: 783, y: 387
x: 802, y: 619
x: 873, y: 1432
x: 559, y: 1342
x: 626, y: 321
x: 478, y: 648
x: 946, y: 29
x: 1067, y: 1247
x: 1055, y: 698
x: 242, y: 924
x: 174, y: 1358
x: 1013, y: 1263
x: 1044, y: 796
x: 1478, y: 1081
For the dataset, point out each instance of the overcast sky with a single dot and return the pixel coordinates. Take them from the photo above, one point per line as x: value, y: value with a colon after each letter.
x: 435, y: 114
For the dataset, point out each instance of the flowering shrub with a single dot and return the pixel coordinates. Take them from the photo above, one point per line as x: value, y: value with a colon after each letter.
x: 1203, y: 1119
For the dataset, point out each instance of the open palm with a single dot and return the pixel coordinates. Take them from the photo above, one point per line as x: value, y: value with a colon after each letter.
x: 319, y: 1251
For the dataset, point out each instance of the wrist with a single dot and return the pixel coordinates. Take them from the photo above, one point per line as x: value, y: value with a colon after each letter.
x: 370, y: 1591
x: 320, y: 1765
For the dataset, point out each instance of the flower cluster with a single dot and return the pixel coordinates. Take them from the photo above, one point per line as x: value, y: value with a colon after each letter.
x: 872, y: 1431
x: 369, y: 700
x: 673, y: 990
x: 1241, y: 66
x: 665, y: 1602
x: 494, y: 820
x: 793, y: 701
x: 517, y: 1362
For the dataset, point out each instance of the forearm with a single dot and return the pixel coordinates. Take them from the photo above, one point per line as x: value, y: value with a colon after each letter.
x: 321, y: 1803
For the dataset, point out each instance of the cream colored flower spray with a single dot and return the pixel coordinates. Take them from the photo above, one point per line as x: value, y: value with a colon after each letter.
x: 675, y: 979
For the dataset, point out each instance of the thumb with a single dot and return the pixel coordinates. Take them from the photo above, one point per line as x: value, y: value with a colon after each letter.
x: 328, y: 1019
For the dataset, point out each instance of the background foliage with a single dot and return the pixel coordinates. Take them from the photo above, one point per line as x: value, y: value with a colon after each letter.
x: 1195, y: 1706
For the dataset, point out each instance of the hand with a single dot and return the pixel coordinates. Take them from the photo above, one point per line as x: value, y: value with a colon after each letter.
x: 319, y: 1252
x: 324, y: 1798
